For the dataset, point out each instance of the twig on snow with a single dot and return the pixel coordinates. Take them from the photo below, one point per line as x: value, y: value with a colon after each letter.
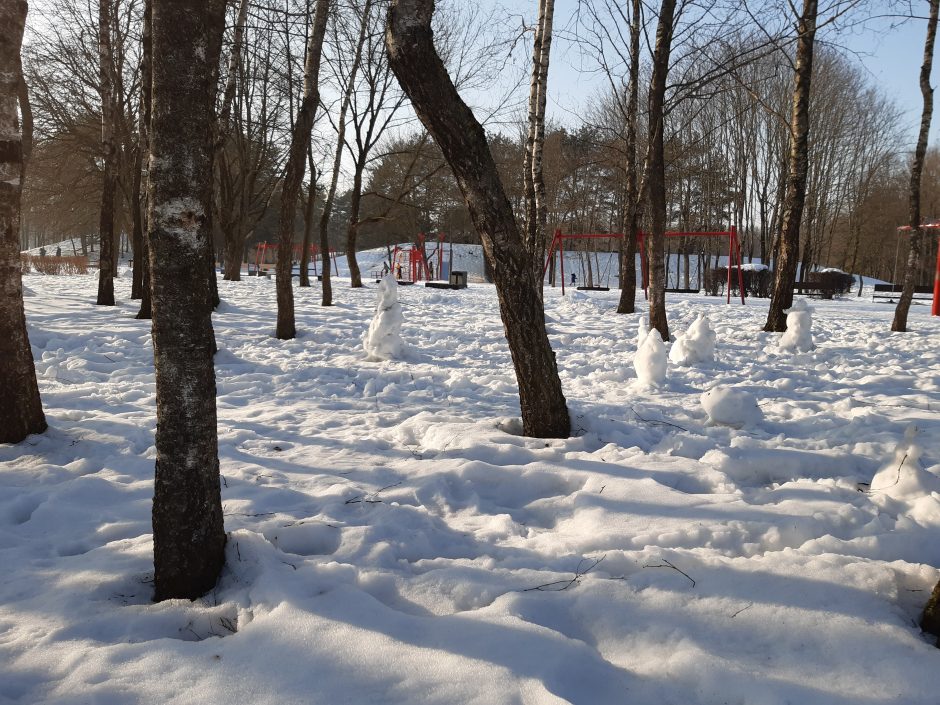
x: 654, y: 422
x: 746, y: 607
x: 896, y: 480
x: 559, y: 585
x: 667, y: 564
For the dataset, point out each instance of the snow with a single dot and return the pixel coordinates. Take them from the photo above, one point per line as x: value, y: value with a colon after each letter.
x: 697, y: 345
x: 650, y: 359
x: 383, y: 339
x: 730, y: 406
x: 798, y: 336
x: 393, y: 539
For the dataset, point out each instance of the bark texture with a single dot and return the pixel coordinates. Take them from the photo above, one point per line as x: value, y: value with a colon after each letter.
x: 294, y: 174
x: 631, y: 221
x: 106, y: 254
x: 785, y: 263
x: 422, y: 74
x: 146, y: 82
x: 536, y: 210
x: 916, y: 248
x: 657, y: 170
x: 188, y: 533
x: 20, y: 407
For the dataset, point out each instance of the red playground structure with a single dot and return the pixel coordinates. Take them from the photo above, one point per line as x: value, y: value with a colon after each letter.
x: 927, y: 227
x: 410, y: 262
x: 734, y: 253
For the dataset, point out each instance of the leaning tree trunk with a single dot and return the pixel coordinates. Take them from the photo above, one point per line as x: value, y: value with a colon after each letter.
x: 419, y: 69
x: 20, y: 406
x: 294, y: 174
x: 916, y: 247
x: 188, y: 533
x: 352, y: 231
x: 631, y: 221
x: 657, y: 170
x: 106, y: 258
x: 798, y: 164
x: 146, y: 76
x: 309, y: 203
x: 327, y: 288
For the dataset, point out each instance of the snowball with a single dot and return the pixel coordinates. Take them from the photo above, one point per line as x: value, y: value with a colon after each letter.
x: 383, y: 339
x: 697, y: 345
x: 642, y: 331
x: 650, y: 360
x: 731, y: 406
x: 799, y: 334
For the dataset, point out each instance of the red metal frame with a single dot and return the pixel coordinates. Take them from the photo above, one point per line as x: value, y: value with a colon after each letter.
x: 935, y: 304
x: 734, y: 253
x: 414, y: 261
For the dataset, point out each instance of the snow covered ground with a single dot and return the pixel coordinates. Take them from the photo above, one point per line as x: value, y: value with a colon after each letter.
x: 392, y: 539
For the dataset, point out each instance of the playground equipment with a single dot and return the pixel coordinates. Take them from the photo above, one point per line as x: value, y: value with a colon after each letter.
x: 558, y: 245
x: 927, y: 227
x: 266, y: 257
x: 410, y: 263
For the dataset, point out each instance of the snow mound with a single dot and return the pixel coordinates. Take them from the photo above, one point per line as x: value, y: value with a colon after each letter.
x: 650, y: 360
x: 696, y: 345
x: 730, y: 406
x: 799, y: 334
x: 903, y: 486
x: 383, y: 339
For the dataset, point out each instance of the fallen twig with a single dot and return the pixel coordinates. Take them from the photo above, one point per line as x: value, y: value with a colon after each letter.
x: 667, y: 564
x: 559, y: 585
x: 654, y: 422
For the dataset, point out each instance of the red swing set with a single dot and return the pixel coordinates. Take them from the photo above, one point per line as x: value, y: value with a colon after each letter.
x: 734, y: 253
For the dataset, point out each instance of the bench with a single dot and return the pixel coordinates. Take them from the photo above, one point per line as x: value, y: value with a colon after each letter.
x: 889, y: 293
x: 814, y: 289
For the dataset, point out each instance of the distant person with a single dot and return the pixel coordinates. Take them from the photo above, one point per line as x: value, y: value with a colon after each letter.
x: 58, y: 251
x: 431, y: 271
x: 385, y: 268
x: 398, y: 271
x: 574, y: 279
x: 42, y: 251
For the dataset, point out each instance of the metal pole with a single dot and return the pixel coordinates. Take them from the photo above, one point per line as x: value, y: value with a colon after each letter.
x: 935, y: 307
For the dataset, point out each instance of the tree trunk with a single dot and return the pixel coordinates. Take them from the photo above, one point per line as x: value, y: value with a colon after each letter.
x: 421, y: 72
x: 137, y: 276
x: 355, y: 200
x: 308, y: 222
x: 657, y: 170
x: 798, y: 163
x: 106, y: 255
x: 631, y: 222
x: 916, y: 247
x: 326, y: 214
x: 146, y: 80
x: 536, y: 210
x: 20, y: 406
x: 294, y: 174
x: 188, y: 533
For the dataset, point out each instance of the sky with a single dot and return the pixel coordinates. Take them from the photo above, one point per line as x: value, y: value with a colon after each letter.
x: 891, y: 55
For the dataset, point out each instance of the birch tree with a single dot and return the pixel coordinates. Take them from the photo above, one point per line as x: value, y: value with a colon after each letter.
x: 20, y: 406
x: 916, y: 246
x: 107, y: 259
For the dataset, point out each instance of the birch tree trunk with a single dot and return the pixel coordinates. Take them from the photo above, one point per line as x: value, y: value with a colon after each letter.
x: 106, y: 255
x: 422, y: 75
x: 657, y: 170
x: 785, y: 262
x: 916, y: 248
x: 536, y: 210
x: 188, y: 533
x: 327, y: 212
x: 631, y: 223
x: 294, y: 174
x: 20, y: 406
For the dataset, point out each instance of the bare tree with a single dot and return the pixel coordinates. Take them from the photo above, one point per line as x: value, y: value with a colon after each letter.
x: 422, y: 74
x: 536, y: 211
x: 916, y: 247
x: 107, y: 259
x: 20, y: 405
x: 657, y: 169
x: 146, y: 84
x: 294, y: 174
x: 188, y: 532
